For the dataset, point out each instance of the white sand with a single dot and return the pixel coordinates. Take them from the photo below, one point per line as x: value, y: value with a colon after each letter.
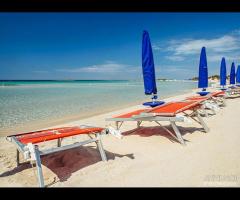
x: 146, y: 157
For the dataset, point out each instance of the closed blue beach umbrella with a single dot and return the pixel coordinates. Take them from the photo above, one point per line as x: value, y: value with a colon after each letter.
x: 148, y: 70
x: 238, y: 75
x: 148, y: 66
x: 223, y: 73
x: 203, y: 73
x: 232, y: 74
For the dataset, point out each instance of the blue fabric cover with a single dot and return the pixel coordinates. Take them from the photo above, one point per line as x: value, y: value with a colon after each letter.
x: 203, y: 93
x: 232, y: 74
x: 203, y: 70
x: 148, y: 66
x: 153, y: 103
x: 238, y: 75
x: 223, y: 72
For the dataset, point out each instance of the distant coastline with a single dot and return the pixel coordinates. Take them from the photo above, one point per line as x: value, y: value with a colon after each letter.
x: 213, y: 78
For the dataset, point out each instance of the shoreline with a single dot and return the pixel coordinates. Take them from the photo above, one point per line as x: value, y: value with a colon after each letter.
x: 45, y: 124
x: 99, y: 120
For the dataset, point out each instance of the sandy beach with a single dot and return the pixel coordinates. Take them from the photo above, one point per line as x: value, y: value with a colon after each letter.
x: 147, y: 157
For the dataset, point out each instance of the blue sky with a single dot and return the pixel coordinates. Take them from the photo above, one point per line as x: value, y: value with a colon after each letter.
x: 108, y: 45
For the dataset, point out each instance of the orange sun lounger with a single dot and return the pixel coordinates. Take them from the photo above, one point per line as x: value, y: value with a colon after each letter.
x: 26, y: 143
x: 52, y: 134
x: 210, y: 95
x: 212, y: 101
x: 172, y: 112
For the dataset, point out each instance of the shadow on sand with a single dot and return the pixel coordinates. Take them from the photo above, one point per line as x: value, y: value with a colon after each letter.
x: 159, y: 131
x: 64, y: 163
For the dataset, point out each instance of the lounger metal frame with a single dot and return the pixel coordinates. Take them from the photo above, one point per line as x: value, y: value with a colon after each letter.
x: 219, y: 100
x: 232, y: 91
x: 33, y: 153
x: 155, y: 117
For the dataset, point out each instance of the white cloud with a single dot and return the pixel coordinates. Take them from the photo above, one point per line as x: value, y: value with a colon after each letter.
x: 222, y: 44
x: 107, y: 67
x: 175, y: 58
x: 216, y: 47
x: 218, y: 58
x: 156, y: 47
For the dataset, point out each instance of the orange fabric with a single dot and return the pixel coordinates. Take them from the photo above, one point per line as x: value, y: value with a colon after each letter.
x: 214, y: 94
x: 197, y: 98
x: 128, y: 115
x: 169, y: 109
x: 173, y: 108
x: 52, y: 134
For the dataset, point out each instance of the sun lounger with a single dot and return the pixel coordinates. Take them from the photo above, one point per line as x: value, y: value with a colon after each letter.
x: 172, y: 112
x: 219, y: 97
x: 26, y: 143
x: 232, y: 91
x: 212, y: 101
x: 206, y: 104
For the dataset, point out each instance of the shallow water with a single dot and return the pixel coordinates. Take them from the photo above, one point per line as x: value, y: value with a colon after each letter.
x: 29, y: 102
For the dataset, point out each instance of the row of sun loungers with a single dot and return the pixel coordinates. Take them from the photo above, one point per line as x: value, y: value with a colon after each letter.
x: 232, y: 91
x: 173, y: 112
x: 190, y: 109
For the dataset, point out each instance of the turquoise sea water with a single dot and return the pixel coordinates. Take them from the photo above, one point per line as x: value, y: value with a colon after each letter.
x: 34, y: 102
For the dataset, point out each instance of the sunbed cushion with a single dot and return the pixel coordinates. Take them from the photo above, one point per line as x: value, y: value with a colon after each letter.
x: 218, y: 93
x: 197, y: 98
x: 212, y: 94
x: 51, y: 134
x: 173, y: 108
x: 168, y: 109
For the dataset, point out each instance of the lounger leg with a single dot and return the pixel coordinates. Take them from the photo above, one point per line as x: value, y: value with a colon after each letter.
x: 202, y: 122
x: 178, y: 134
x: 214, y: 112
x: 117, y: 125
x: 204, y: 110
x: 100, y: 148
x: 39, y: 167
x: 59, y: 142
x: 18, y: 160
x: 138, y: 123
x: 224, y: 102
